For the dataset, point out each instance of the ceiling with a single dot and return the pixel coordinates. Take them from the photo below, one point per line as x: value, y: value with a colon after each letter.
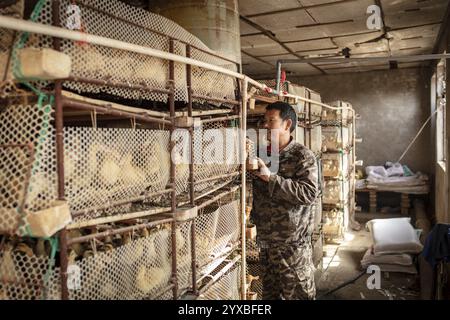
x: 292, y: 29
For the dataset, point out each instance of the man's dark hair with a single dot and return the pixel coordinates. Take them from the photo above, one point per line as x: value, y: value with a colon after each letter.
x: 286, y: 112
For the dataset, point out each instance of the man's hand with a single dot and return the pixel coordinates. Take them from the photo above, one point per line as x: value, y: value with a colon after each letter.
x: 263, y: 172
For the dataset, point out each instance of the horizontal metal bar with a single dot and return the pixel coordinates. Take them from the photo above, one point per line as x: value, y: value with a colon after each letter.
x: 113, y: 84
x: 107, y: 109
x: 101, y: 235
x: 118, y: 203
x: 226, y: 118
x: 207, y: 98
x: 218, y: 177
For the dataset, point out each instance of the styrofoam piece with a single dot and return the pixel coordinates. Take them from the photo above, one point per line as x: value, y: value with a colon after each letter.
x: 44, y: 63
x: 47, y: 222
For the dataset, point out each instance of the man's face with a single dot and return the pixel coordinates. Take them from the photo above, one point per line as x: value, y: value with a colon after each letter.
x: 275, y: 125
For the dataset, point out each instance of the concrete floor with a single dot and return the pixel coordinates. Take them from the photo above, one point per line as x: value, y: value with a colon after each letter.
x: 342, y: 263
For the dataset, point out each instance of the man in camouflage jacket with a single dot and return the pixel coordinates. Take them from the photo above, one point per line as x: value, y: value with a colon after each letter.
x: 282, y: 211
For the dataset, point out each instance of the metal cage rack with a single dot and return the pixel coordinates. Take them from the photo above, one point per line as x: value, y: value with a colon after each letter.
x: 124, y: 188
x: 108, y: 140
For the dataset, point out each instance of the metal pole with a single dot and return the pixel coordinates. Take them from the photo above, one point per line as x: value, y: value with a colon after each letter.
x: 172, y: 170
x: 243, y: 187
x: 59, y: 124
x: 191, y: 174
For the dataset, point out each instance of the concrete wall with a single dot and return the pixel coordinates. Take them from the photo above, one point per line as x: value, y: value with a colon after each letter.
x: 393, y: 105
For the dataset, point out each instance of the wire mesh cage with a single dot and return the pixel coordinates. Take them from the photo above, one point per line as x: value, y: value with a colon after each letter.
x: 102, y: 166
x: 117, y: 20
x: 131, y: 266
x: 27, y: 271
x: 254, y: 269
x: 106, y: 165
x: 184, y: 256
x: 335, y: 222
x: 217, y: 232
x: 141, y: 267
x: 30, y: 180
x: 227, y: 287
x: 216, y: 156
x: 336, y: 191
x: 336, y: 138
x: 15, y: 170
x: 336, y: 165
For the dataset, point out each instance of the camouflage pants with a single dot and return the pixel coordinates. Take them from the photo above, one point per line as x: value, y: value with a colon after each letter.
x: 288, y: 273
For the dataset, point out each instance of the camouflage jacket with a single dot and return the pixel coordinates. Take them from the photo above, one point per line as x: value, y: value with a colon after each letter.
x: 282, y: 208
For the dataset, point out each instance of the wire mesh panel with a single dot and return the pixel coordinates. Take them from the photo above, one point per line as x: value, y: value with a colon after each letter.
x: 252, y: 250
x: 205, y: 82
x: 117, y: 20
x: 216, y: 153
x: 217, y: 229
x: 227, y: 287
x: 254, y: 269
x: 106, y: 165
x: 30, y: 124
x: 184, y: 256
x: 26, y: 273
x: 340, y: 117
x: 335, y: 164
x: 335, y: 222
x: 335, y: 138
x: 15, y: 170
x: 138, y: 269
x: 101, y: 165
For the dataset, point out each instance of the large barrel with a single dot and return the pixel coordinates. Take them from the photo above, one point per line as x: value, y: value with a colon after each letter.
x: 214, y: 22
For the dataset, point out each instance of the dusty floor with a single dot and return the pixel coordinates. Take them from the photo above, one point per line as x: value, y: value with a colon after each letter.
x: 342, y: 263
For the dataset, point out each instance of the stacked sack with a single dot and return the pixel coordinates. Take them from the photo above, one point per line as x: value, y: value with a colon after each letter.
x: 395, y: 243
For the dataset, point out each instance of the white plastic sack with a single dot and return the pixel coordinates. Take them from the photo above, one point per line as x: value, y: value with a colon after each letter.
x: 387, y: 267
x: 402, y: 259
x: 394, y: 236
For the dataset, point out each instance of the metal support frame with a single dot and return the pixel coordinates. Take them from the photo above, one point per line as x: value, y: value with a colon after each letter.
x: 242, y: 98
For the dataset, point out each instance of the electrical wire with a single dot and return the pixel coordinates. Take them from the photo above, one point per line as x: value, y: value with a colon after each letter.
x: 417, y: 135
x: 344, y: 284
